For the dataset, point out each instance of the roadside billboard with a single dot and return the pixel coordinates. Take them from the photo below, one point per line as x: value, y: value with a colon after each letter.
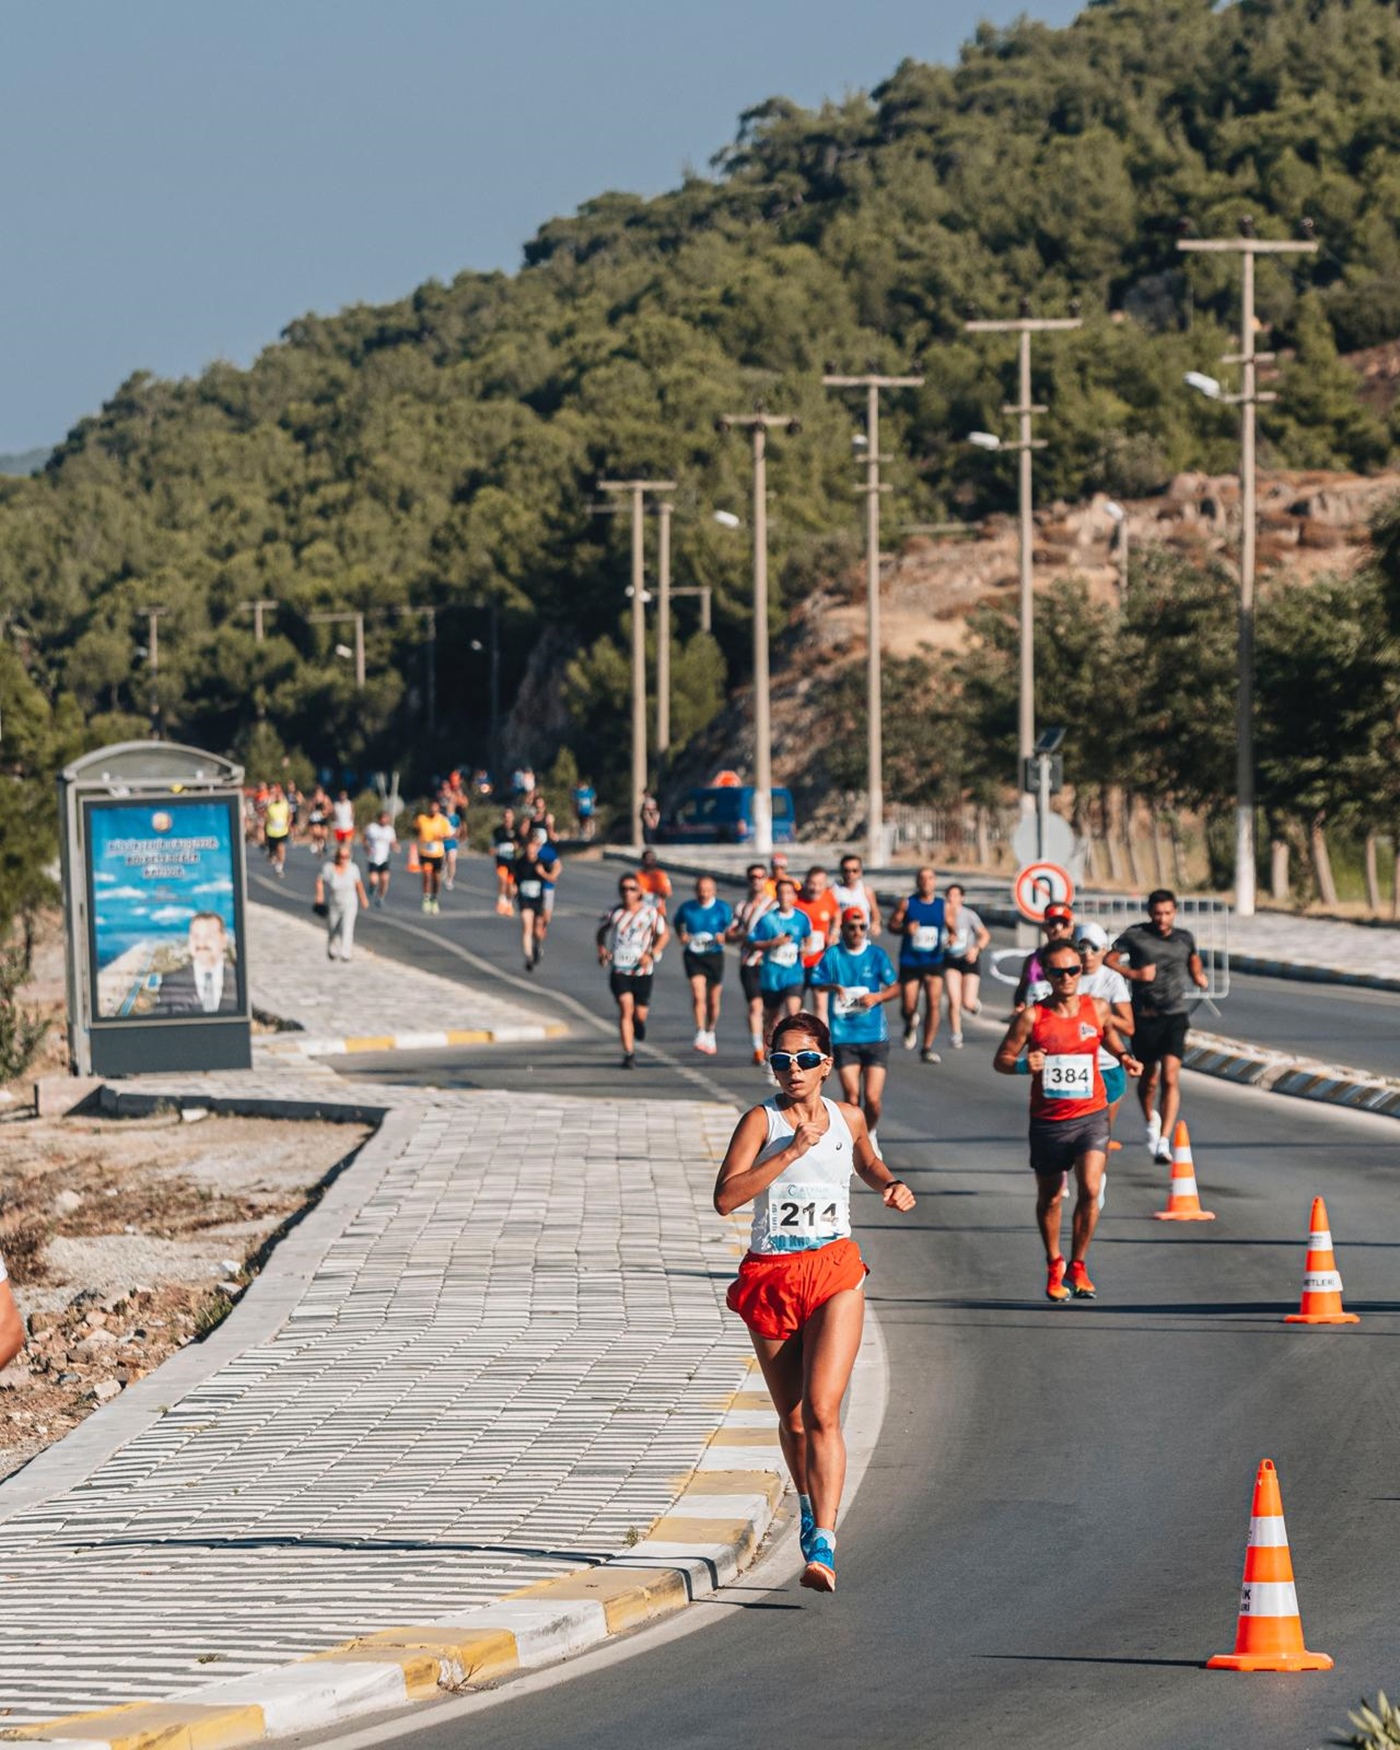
x: 165, y: 911
x: 154, y: 889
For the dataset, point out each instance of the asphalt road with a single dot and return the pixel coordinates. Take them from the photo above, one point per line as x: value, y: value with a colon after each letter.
x: 1049, y: 1541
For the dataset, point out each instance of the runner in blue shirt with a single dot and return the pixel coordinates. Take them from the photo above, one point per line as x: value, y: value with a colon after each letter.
x: 585, y: 801
x: 700, y: 923
x: 918, y: 923
x: 779, y: 935
x: 859, y: 980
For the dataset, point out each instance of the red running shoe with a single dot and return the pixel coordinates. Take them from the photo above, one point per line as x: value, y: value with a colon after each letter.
x: 1055, y: 1284
x: 1079, y: 1284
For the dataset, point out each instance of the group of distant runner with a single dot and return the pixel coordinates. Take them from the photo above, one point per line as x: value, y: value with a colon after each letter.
x: 820, y: 970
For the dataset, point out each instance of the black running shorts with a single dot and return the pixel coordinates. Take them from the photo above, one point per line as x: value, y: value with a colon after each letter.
x: 1057, y: 1143
x: 1158, y: 1036
x: 635, y: 984
x: 710, y: 967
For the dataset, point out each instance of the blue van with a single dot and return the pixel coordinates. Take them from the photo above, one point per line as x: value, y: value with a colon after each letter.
x: 722, y: 814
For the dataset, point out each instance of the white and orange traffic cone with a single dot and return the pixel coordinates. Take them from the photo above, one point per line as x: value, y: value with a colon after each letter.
x: 1183, y: 1199
x: 1269, y: 1635
x: 1322, y: 1285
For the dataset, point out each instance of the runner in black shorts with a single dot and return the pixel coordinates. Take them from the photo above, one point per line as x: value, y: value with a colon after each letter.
x: 628, y: 938
x: 1158, y: 960
x: 1057, y: 1043
x: 701, y: 923
x: 750, y: 909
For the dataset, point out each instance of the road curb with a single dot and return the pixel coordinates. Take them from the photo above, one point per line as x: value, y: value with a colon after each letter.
x: 708, y: 1535
x: 296, y: 1044
x: 1275, y: 1072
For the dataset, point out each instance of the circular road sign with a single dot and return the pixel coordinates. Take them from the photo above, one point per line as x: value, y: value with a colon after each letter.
x: 1039, y: 885
x: 1059, y: 840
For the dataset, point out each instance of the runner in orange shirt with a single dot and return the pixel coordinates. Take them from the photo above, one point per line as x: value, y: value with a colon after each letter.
x: 777, y: 871
x: 655, y: 883
x: 432, y: 832
x: 822, y: 909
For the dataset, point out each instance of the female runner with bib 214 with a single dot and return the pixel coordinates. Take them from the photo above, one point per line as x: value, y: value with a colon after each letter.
x: 801, y: 1288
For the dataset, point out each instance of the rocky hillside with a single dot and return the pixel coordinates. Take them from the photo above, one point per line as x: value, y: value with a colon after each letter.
x: 1313, y: 523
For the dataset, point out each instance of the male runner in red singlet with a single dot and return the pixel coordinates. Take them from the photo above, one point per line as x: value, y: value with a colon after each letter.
x: 1060, y: 1038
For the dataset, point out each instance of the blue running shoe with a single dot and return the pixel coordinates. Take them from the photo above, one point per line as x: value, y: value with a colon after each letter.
x: 805, y: 1527
x: 820, y: 1573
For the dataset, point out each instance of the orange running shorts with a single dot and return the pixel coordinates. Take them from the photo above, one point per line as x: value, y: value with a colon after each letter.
x: 776, y: 1293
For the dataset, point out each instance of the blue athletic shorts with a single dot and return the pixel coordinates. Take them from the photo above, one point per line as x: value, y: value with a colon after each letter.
x: 1115, y: 1081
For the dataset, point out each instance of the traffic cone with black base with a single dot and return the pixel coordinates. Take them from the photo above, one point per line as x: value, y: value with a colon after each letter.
x: 1269, y: 1635
x: 1183, y: 1199
x: 1322, y: 1284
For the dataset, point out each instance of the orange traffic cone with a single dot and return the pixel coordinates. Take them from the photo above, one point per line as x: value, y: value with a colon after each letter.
x: 1322, y: 1286
x: 1183, y: 1200
x: 411, y: 866
x: 1269, y: 1636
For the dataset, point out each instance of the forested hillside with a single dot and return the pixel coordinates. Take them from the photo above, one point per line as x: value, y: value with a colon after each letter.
x: 443, y: 451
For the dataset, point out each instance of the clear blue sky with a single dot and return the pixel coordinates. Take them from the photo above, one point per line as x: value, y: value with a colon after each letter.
x: 183, y: 177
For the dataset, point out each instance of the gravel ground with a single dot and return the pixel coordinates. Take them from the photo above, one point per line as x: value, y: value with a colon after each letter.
x: 127, y: 1238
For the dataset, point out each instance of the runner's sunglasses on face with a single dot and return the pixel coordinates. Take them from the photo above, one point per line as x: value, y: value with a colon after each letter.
x: 783, y: 1061
x: 1064, y: 971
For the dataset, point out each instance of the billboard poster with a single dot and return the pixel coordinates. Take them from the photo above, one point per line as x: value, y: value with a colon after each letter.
x: 165, y: 909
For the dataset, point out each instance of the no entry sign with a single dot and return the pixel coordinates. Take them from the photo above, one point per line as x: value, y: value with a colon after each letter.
x: 1039, y: 885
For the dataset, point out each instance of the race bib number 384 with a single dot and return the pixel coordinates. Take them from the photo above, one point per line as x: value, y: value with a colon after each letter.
x: 1068, y: 1078
x: 803, y: 1214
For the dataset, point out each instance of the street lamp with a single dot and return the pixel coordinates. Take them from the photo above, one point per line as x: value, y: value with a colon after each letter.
x: 865, y: 449
x: 1248, y: 247
x: 727, y: 519
x: 758, y: 426
x: 1025, y: 410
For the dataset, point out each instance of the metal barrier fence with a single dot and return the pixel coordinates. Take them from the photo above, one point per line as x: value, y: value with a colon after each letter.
x: 952, y: 830
x: 1207, y: 919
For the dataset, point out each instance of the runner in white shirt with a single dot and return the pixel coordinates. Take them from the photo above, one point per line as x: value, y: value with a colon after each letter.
x: 380, y: 844
x: 629, y: 939
x: 965, y: 937
x: 1099, y: 980
x: 854, y: 890
x: 746, y: 914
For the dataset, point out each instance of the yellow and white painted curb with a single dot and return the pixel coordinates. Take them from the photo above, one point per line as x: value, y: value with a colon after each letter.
x: 293, y: 1044
x: 708, y: 1535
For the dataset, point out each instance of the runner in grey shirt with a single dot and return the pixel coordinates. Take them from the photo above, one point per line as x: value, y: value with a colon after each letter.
x: 1159, y: 961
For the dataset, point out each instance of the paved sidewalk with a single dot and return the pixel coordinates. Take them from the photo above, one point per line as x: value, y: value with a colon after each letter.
x: 493, y: 1357
x: 369, y: 1003
x: 1326, y: 949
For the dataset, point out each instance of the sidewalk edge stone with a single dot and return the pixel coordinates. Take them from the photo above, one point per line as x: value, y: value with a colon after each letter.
x: 706, y: 1537
x: 1276, y: 1072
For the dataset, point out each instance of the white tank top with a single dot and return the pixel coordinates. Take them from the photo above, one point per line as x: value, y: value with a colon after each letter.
x: 810, y: 1204
x: 857, y: 896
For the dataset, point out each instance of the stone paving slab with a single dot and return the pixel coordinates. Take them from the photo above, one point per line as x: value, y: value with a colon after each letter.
x: 494, y: 1357
x: 369, y: 1003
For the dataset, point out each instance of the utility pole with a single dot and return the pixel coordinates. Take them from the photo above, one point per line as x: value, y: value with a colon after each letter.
x: 259, y: 607
x: 638, y: 489
x: 758, y: 425
x: 153, y: 619
x: 1024, y: 326
x: 1247, y: 246
x: 663, y: 629
x: 358, y: 621
x: 872, y: 383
